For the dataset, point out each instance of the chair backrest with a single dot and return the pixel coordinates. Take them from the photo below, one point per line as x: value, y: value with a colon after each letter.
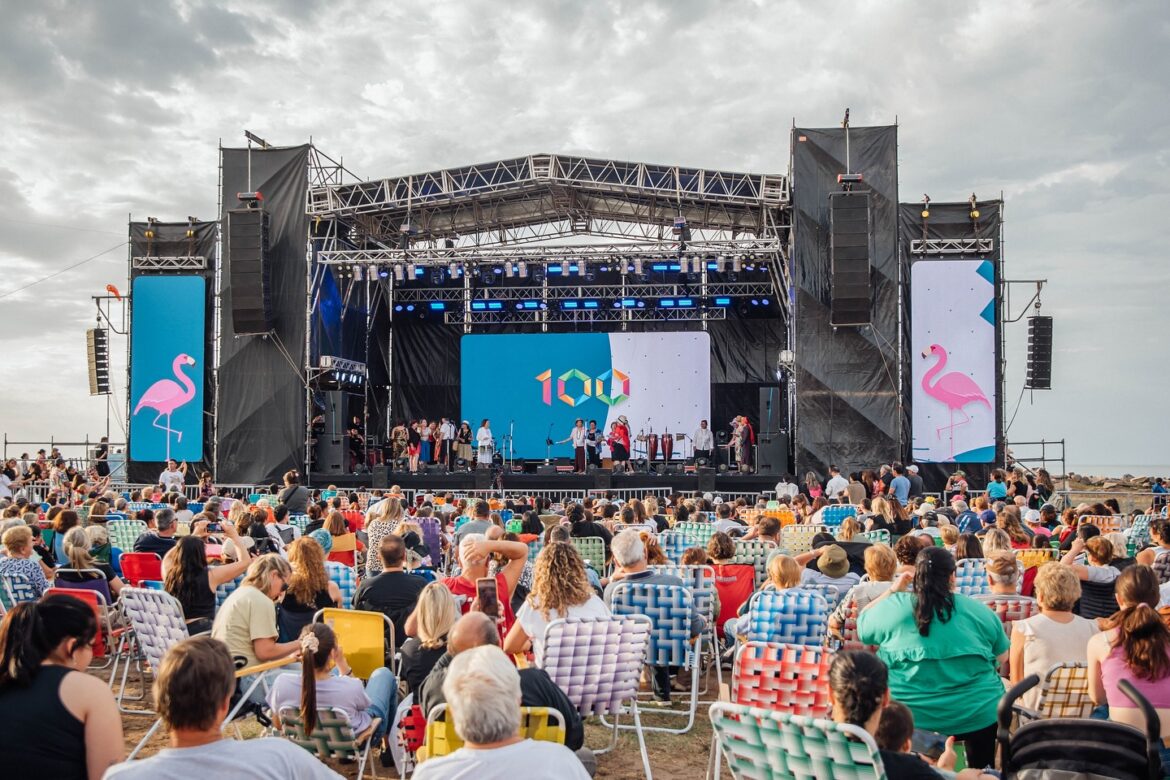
x: 1032, y: 557
x: 299, y: 522
x: 793, y: 616
x: 835, y: 514
x: 783, y: 678
x: 591, y: 548
x: 534, y: 547
x: 157, y: 618
x: 701, y: 581
x: 18, y: 588
x: 1107, y: 523
x: 225, y: 589
x: 971, y: 577
x: 696, y: 533
x: 345, y: 578
x: 138, y: 567
x: 755, y: 553
x: 669, y: 608
x: 1064, y: 692
x: 123, y: 533
x: 1011, y: 608
x: 798, y: 538
x: 597, y: 662
x: 849, y: 640
x: 432, y: 531
x: 761, y: 744
x: 674, y: 544
x: 332, y: 737
x: 542, y: 724
x: 879, y: 535
x: 363, y: 636
x: 89, y: 582
x: 100, y: 606
x: 831, y: 593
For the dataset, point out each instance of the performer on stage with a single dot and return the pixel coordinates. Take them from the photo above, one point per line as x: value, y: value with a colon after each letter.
x: 398, y: 437
x: 357, y: 443
x: 593, y: 439
x: 424, y: 434
x: 747, y: 442
x: 619, y: 443
x: 463, y: 442
x: 447, y: 444
x: 485, y: 443
x: 413, y: 445
x: 704, y: 442
x: 578, y: 437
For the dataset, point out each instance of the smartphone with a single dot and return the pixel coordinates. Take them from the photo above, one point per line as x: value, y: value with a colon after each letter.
x: 488, y: 595
x: 928, y: 743
x: 214, y: 528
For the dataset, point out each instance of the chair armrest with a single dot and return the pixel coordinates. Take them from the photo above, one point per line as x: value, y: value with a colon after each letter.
x: 521, y: 660
x: 1026, y: 714
x: 264, y: 667
x: 360, y: 739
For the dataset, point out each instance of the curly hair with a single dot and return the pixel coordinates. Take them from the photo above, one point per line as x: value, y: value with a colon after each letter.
x: 308, y: 570
x: 654, y: 553
x: 720, y: 547
x: 558, y: 580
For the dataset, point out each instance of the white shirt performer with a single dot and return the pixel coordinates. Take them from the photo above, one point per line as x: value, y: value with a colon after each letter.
x: 578, y: 437
x: 485, y: 443
x: 173, y: 477
x: 704, y: 441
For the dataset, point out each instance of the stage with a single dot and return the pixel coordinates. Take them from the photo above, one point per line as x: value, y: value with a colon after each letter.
x: 464, y: 481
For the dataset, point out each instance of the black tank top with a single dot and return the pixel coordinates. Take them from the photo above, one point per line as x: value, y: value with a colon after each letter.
x: 203, y: 605
x: 41, y: 738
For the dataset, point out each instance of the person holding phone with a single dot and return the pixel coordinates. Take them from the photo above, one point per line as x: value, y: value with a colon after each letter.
x: 475, y: 551
x: 188, y: 578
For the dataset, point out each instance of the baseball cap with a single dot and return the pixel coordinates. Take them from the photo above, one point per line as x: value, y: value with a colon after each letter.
x: 1032, y: 516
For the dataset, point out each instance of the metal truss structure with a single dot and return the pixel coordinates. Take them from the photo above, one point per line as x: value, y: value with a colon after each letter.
x: 582, y: 317
x: 169, y: 263
x: 952, y: 246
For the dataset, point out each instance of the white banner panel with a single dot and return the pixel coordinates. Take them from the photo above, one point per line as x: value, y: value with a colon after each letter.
x: 670, y: 380
x: 952, y: 336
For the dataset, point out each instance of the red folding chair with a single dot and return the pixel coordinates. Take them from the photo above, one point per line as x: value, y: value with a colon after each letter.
x: 139, y: 567
x: 101, y: 613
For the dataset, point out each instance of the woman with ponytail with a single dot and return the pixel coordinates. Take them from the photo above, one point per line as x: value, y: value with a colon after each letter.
x: 59, y: 722
x: 1135, y: 646
x: 324, y: 682
x: 80, y: 565
x: 943, y: 650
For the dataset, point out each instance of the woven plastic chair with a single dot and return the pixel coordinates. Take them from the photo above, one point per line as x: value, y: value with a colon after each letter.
x: 299, y: 522
x: 592, y: 550
x: 366, y: 637
x: 1064, y: 693
x: 333, y: 738
x: 880, y: 535
x: 971, y: 577
x: 1011, y: 608
x: 1107, y: 523
x: 598, y: 663
x: 849, y: 638
x: 762, y: 745
x: 157, y: 623
x: 755, y: 553
x: 794, y: 617
x: 124, y: 533
x: 670, y: 609
x: 798, y: 538
x: 137, y: 568
x: 534, y: 547
x: 701, y: 581
x: 673, y: 544
x: 835, y: 514
x: 345, y: 578
x: 830, y: 593
x: 432, y: 531
x: 226, y: 589
x: 542, y: 724
x: 1032, y: 557
x: 18, y: 589
x: 101, y: 611
x: 696, y: 533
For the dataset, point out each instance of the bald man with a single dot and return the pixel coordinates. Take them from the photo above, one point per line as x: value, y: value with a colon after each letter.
x: 536, y: 688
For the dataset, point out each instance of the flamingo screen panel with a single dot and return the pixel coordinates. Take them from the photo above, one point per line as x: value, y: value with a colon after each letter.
x: 952, y: 315
x: 166, y: 368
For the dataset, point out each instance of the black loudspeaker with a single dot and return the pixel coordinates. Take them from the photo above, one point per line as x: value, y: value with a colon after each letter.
x: 771, y: 410
x: 249, y: 271
x: 436, y: 468
x: 850, y: 296
x: 483, y: 479
x: 1039, y: 353
x: 546, y: 468
x: 380, y: 479
x: 98, y: 350
x: 604, y: 479
x: 706, y: 480
x: 331, y: 440
x: 772, y: 453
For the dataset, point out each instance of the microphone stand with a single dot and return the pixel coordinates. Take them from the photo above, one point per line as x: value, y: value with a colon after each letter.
x: 548, y: 445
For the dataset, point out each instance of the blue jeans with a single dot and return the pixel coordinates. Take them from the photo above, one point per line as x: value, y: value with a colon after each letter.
x: 382, y: 689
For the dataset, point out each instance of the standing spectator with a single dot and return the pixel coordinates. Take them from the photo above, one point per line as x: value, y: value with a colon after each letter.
x: 856, y: 490
x: 173, y: 476
x: 381, y: 521
x: 1160, y: 492
x: 836, y: 485
x: 917, y: 488
x: 997, y: 489
x: 294, y: 495
x: 393, y: 592
x: 899, y: 486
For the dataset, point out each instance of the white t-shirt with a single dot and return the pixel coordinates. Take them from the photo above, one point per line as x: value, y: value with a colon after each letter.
x: 5, y: 486
x: 704, y: 440
x: 577, y: 436
x: 533, y: 622
x: 836, y: 486
x: 266, y: 758
x: 528, y: 759
x: 171, y: 480
x: 345, y: 693
x: 786, y: 489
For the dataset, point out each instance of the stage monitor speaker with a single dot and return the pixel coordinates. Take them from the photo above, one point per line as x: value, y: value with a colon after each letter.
x: 1039, y: 353
x: 546, y: 468
x: 380, y: 478
x: 603, y: 479
x: 436, y: 468
x: 772, y: 453
x: 249, y: 271
x: 706, y: 479
x: 772, y: 410
x: 483, y: 479
x: 850, y: 296
x: 331, y: 439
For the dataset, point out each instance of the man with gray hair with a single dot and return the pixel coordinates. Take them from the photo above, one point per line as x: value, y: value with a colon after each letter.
x: 162, y: 538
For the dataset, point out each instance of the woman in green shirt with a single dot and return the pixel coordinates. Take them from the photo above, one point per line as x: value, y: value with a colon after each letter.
x: 943, y: 650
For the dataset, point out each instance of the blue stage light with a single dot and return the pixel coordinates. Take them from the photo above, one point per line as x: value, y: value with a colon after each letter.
x: 755, y: 302
x: 554, y: 268
x: 686, y: 303
x: 764, y: 302
x: 479, y: 305
x: 721, y: 301
x: 666, y: 303
x: 419, y: 270
x: 398, y: 307
x: 591, y: 304
x: 410, y: 307
x: 495, y: 305
x: 383, y: 272
x: 529, y: 304
x: 659, y: 267
x: 569, y: 304
x: 438, y: 306
x: 629, y: 303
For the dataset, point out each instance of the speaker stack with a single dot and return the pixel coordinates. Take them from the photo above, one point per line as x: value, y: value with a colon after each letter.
x: 850, y: 295
x: 1039, y: 353
x: 249, y: 271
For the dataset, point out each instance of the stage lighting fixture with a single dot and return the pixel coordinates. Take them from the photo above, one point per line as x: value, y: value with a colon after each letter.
x: 723, y: 301
x: 406, y: 228
x: 582, y: 267
x: 191, y: 226
x: 485, y: 274
x: 686, y: 303
x: 680, y: 224
x: 721, y: 263
x: 522, y: 269
x: 453, y: 270
x: 974, y: 203
x: 638, y: 266
x: 722, y: 468
x: 383, y: 272
x: 398, y: 307
x: 359, y: 273
x: 436, y: 276
x: 629, y: 303
x: 570, y: 304
x: 736, y: 264
x: 410, y: 307
x: 925, y: 206
x: 666, y: 303
x: 564, y: 268
x: 411, y: 271
x: 399, y: 272
x: 438, y: 306
x: 509, y: 269
x: 538, y: 273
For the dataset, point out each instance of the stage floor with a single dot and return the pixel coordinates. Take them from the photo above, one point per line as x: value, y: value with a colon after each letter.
x: 462, y: 481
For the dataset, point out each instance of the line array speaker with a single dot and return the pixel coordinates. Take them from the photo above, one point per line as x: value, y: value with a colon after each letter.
x: 850, y: 294
x: 1039, y: 353
x: 98, y: 349
x: 249, y: 271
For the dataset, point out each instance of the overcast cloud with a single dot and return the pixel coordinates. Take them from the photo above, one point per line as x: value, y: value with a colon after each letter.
x: 117, y: 107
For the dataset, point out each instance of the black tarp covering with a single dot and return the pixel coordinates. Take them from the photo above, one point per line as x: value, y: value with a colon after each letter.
x: 953, y: 220
x: 849, y: 392
x: 171, y: 241
x: 261, y: 400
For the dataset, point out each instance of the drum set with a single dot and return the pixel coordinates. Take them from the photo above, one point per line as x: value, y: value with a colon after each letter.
x: 646, y: 446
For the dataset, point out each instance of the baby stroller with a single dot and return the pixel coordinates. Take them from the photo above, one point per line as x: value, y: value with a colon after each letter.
x: 1080, y: 748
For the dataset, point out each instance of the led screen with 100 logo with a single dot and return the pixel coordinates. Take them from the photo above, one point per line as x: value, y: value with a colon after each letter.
x: 542, y: 382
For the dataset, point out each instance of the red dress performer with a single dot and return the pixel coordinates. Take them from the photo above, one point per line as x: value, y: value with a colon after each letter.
x: 619, y: 441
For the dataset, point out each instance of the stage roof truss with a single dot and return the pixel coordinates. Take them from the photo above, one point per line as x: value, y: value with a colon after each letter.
x: 561, y: 316
x: 952, y: 246
x: 169, y: 263
x: 456, y: 295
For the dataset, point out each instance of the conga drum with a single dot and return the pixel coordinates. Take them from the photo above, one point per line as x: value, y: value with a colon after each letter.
x: 667, y: 446
x: 652, y: 446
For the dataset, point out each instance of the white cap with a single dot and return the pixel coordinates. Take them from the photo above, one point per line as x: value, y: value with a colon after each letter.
x: 912, y: 469
x: 708, y: 496
x: 1032, y: 516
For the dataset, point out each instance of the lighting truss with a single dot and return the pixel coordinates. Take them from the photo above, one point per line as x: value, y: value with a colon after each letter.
x: 556, y: 316
x: 952, y: 246
x: 455, y: 296
x: 169, y: 263
x: 332, y: 363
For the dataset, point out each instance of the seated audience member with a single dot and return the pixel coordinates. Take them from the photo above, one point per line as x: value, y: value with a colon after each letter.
x: 188, y: 578
x: 766, y: 529
x: 434, y: 616
x: 1003, y: 574
x: 1035, y: 523
x: 537, y: 689
x: 1055, y: 635
x: 1156, y: 556
x: 381, y: 521
x: 560, y: 590
x: 59, y: 721
x: 1135, y: 646
x: 478, y: 524
x: 19, y: 559
x: 906, y: 551
x: 80, y: 566
x: 317, y: 687
x: 484, y: 694
x: 997, y: 540
x: 345, y: 545
x: 734, y: 582
x: 309, y: 588
x: 1121, y: 560
x: 246, y: 622
x: 950, y: 537
x: 783, y: 573
x: 1097, y: 575
x: 950, y: 639
x: 475, y: 552
x: 582, y: 524
x: 832, y: 569
x: 880, y: 566
x: 162, y: 539
x: 393, y: 591
x: 193, y: 693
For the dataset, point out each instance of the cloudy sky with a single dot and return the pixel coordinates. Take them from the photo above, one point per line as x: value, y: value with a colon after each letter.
x: 116, y: 108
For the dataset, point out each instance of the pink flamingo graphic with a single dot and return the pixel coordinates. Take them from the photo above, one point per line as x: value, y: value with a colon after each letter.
x: 955, y: 389
x: 165, y: 396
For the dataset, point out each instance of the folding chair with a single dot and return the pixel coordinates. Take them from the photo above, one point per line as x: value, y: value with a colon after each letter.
x: 696, y: 533
x: 1064, y: 693
x: 366, y: 637
x: 225, y: 589
x: 1107, y: 523
x: 18, y: 589
x: 332, y: 738
x: 598, y: 663
x: 101, y: 611
x: 432, y: 532
x: 755, y: 553
x: 793, y: 616
x: 880, y: 535
x: 139, y: 567
x: 673, y: 544
x: 534, y: 547
x: 701, y: 581
x: 778, y: 678
x: 971, y: 577
x: 156, y: 618
x: 542, y: 724
x: 761, y: 745
x: 670, y: 609
x: 835, y: 514
x: 299, y: 522
x: 592, y: 550
x: 831, y: 593
x: 1032, y: 557
x: 849, y: 640
x: 1011, y: 608
x: 798, y: 538
x: 346, y: 581
x: 124, y: 533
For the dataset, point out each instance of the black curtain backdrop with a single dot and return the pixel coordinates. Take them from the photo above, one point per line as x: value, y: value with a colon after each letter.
x: 849, y: 408
x: 171, y: 241
x: 261, y: 402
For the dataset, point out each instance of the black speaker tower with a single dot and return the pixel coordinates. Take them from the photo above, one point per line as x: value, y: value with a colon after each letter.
x: 850, y: 296
x: 249, y: 271
x: 1039, y: 353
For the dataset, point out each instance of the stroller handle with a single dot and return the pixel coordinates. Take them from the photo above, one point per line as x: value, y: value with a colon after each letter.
x: 1153, y: 722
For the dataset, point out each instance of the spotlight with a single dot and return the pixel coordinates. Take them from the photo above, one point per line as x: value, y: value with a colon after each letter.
x: 358, y: 273
x: 701, y: 462
x: 411, y: 270
x: 736, y: 264
x: 438, y: 306
x: 398, y: 307
x: 191, y: 227
x: 509, y: 269
x: 485, y: 274
x: 436, y: 276
x: 522, y: 269
x: 721, y: 263
x: 398, y: 272
x: 453, y: 269
x: 638, y: 266
x: 564, y: 268
x: 974, y: 206
x: 410, y: 307
x: 926, y: 207
x: 383, y: 273
x: 583, y: 268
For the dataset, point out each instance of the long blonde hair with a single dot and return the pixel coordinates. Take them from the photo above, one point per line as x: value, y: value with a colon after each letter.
x: 559, y: 580
x: 436, y: 614
x: 308, y: 577
x: 76, y: 544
